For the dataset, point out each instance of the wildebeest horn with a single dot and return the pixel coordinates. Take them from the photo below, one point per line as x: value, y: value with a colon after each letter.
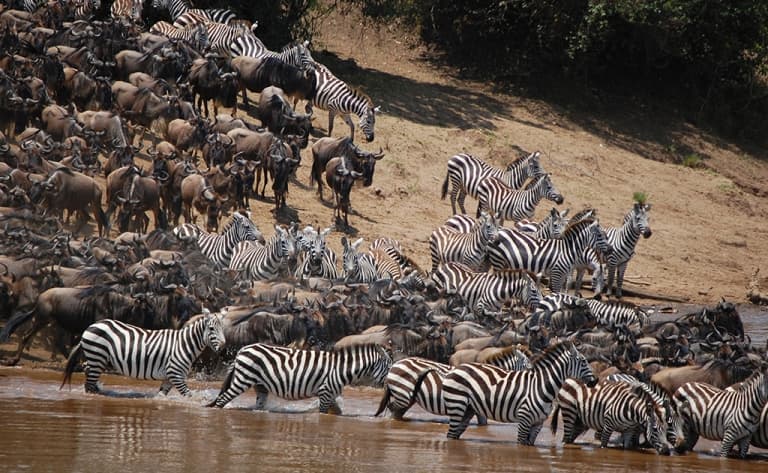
x: 5, y: 273
x: 379, y: 155
x: 26, y: 145
x: 120, y: 198
x: 162, y: 176
x: 5, y: 148
x: 356, y: 175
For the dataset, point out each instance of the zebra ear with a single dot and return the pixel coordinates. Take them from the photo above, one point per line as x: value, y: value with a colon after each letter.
x: 357, y: 243
x: 344, y: 242
x: 377, y: 109
x: 325, y: 232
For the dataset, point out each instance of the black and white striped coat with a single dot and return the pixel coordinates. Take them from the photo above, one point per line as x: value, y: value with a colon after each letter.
x: 177, y: 8
x: 607, y: 408
x: 315, y: 258
x: 623, y: 241
x: 369, y: 266
x: 516, y: 250
x: 416, y: 380
x: 130, y: 9
x: 336, y: 96
x: 508, y: 203
x: 219, y: 248
x: 463, y: 240
x: 466, y: 172
x: 606, y: 314
x: 196, y: 35
x: 144, y: 354
x: 552, y: 226
x: 487, y: 291
x: 299, y: 374
x: 512, y: 396
x: 731, y: 415
x: 264, y: 262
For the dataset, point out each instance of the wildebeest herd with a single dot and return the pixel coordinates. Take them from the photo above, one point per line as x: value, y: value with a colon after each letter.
x: 475, y: 336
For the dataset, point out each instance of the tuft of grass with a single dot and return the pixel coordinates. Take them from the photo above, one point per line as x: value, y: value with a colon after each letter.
x: 640, y: 197
x: 692, y: 160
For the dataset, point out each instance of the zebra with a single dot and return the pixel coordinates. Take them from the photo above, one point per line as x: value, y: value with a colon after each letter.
x: 370, y: 266
x: 220, y: 35
x: 607, y: 314
x: 623, y: 241
x: 196, y: 35
x: 731, y: 415
x: 760, y: 437
x: 484, y: 292
x: 336, y: 96
x: 316, y: 259
x: 454, y: 241
x: 299, y: 374
x: 587, y: 260
x: 466, y: 172
x: 607, y: 408
x: 145, y: 354
x: 419, y: 381
x: 130, y: 9
x: 516, y: 250
x: 219, y: 248
x: 552, y: 226
x: 297, y: 55
x: 85, y: 9
x: 264, y: 262
x: 31, y: 5
x: 513, y: 204
x: 512, y: 396
x: 177, y: 8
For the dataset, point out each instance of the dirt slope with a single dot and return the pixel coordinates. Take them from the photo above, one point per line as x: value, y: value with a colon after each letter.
x: 710, y: 226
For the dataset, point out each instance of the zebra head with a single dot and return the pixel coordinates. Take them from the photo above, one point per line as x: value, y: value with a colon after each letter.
x: 534, y: 164
x: 368, y: 121
x: 598, y: 240
x: 554, y: 224
x: 284, y: 244
x: 214, y: 331
x: 379, y: 368
x: 531, y: 294
x: 488, y: 227
x: 245, y: 229
x: 578, y: 367
x: 316, y: 250
x: 551, y: 192
x: 655, y: 425
x: 351, y: 257
x: 639, y: 219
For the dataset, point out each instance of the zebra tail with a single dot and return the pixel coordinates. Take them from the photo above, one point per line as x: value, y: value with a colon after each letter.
x: 13, y: 323
x: 417, y: 385
x: 224, y: 387
x: 445, y: 188
x: 74, y: 357
x: 555, y: 415
x: 384, y: 401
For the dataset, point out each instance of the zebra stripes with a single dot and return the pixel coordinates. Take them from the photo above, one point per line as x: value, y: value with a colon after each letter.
x: 485, y: 292
x: 299, y: 374
x: 336, y: 96
x: 177, y: 8
x: 416, y: 380
x: 513, y: 204
x: 144, y: 354
x: 315, y: 258
x: 512, y: 396
x: 466, y: 172
x: 607, y: 314
x: 457, y: 241
x: 219, y: 248
x: 264, y: 262
x: 197, y: 35
x: 607, y: 408
x: 130, y: 9
x: 516, y: 250
x: 731, y: 415
x: 31, y: 5
x: 552, y: 226
x: 623, y: 241
x: 297, y: 55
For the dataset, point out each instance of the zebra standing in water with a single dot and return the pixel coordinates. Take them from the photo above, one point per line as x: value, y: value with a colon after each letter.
x: 336, y: 96
x: 299, y: 374
x: 611, y: 407
x: 516, y: 250
x: 731, y: 415
x: 466, y: 172
x: 623, y: 241
x: 219, y: 248
x: 178, y: 8
x: 457, y: 241
x: 512, y: 396
x: 416, y: 380
x: 315, y: 258
x: 264, y: 262
x: 144, y: 354
x: 484, y: 292
x: 513, y: 204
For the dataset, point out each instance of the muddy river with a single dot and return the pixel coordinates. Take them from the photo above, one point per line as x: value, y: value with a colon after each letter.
x: 134, y: 429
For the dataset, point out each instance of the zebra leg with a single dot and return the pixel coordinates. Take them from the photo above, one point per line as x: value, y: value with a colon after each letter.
x: 481, y: 419
x: 620, y: 278
x: 744, y: 446
x: 461, y: 198
x: 331, y: 116
x: 180, y: 383
x: 609, y: 282
x: 351, y: 124
x: 92, y: 374
x: 328, y: 404
x: 261, y: 397
x: 458, y: 425
x: 527, y: 432
x: 605, y: 436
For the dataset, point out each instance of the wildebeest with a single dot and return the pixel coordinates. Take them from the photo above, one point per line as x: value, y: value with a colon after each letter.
x: 210, y: 82
x: 257, y: 74
x: 106, y: 122
x: 198, y: 194
x: 278, y: 116
x: 354, y: 158
x: 341, y: 180
x: 69, y: 190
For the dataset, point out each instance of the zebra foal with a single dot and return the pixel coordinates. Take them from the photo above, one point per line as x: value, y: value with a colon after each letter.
x: 144, y: 354
x: 299, y: 374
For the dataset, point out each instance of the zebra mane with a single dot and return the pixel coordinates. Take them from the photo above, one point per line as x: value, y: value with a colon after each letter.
x: 748, y: 383
x: 520, y: 160
x: 576, y: 227
x: 534, y: 181
x: 582, y: 214
x: 519, y: 271
x: 365, y: 347
x: 551, y: 352
x: 510, y: 350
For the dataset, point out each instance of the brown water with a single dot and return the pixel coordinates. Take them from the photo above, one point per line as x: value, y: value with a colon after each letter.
x: 45, y: 429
